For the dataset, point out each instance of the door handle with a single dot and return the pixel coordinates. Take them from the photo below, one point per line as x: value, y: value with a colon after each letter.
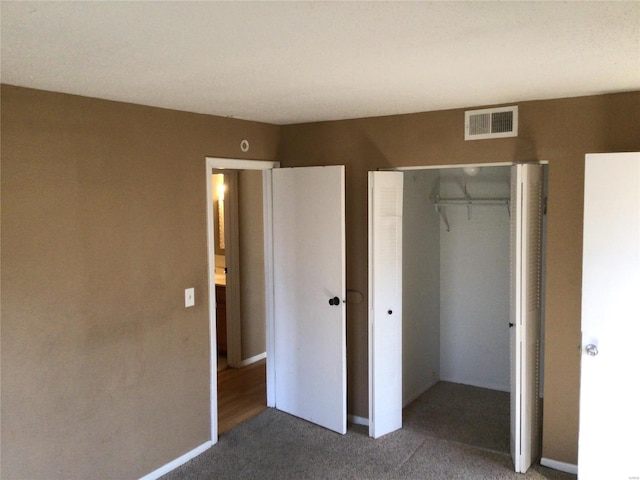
x: 334, y: 301
x: 591, y: 349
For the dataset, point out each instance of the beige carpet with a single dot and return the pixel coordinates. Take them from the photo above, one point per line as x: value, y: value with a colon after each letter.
x: 441, y: 439
x: 470, y: 415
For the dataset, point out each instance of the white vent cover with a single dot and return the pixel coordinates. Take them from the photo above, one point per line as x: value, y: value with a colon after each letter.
x: 491, y: 123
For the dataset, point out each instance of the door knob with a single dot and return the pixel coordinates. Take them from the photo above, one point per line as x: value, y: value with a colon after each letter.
x: 591, y: 350
x: 334, y: 301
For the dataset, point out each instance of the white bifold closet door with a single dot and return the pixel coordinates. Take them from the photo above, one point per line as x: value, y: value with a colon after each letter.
x: 309, y: 292
x: 525, y: 314
x: 385, y: 302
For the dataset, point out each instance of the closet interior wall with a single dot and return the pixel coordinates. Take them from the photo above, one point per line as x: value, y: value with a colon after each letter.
x: 455, y: 282
x: 420, y: 285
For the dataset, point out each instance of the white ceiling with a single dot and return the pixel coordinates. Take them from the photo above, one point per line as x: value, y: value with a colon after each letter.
x: 293, y: 62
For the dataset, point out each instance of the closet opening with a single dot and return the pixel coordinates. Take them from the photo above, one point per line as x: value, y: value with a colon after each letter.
x: 457, y: 351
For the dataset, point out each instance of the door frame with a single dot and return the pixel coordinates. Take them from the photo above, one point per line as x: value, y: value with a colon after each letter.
x: 218, y: 163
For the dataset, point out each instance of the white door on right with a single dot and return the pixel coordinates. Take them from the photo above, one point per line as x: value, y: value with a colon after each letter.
x: 609, y: 438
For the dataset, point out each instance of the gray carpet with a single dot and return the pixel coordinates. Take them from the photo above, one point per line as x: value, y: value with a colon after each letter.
x: 442, y: 438
x: 474, y: 416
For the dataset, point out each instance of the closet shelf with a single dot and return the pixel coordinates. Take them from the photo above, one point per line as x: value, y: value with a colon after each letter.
x: 465, y: 202
x: 468, y: 202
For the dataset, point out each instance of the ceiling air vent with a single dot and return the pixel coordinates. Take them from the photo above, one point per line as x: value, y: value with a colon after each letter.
x: 491, y: 123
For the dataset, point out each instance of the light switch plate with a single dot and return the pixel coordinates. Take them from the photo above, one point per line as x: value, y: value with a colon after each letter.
x: 189, y: 298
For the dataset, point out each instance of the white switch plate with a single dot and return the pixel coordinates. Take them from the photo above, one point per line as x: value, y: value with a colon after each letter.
x: 189, y: 298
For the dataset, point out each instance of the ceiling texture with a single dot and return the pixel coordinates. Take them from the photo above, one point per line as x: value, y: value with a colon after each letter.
x: 295, y: 62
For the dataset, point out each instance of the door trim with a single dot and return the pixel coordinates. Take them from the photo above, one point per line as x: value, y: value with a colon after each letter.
x: 216, y: 163
x: 460, y: 165
x: 451, y: 165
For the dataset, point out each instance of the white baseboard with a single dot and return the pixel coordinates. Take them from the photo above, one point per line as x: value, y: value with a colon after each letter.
x: 562, y: 466
x: 177, y: 462
x: 249, y: 361
x: 358, y: 420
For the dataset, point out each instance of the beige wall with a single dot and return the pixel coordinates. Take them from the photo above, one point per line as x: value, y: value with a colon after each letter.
x: 105, y: 374
x: 560, y: 131
x: 104, y: 226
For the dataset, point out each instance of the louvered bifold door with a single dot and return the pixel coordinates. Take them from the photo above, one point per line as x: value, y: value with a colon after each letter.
x: 525, y: 318
x: 385, y: 302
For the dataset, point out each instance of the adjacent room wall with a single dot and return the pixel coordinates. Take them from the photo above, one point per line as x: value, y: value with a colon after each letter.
x: 561, y: 131
x: 474, y: 282
x: 252, y: 286
x: 421, y: 285
x: 105, y: 374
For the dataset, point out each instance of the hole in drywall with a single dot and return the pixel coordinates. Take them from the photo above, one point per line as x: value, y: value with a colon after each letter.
x: 244, y: 145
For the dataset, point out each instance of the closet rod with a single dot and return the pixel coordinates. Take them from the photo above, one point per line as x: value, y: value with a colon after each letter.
x: 502, y: 202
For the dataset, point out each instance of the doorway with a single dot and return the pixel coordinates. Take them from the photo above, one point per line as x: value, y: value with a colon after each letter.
x: 300, y: 195
x: 239, y: 267
x: 456, y: 303
x: 239, y: 273
x: 471, y: 300
x: 240, y: 295
x: 456, y: 279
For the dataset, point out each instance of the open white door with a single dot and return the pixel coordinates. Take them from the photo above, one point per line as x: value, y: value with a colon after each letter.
x: 385, y: 302
x: 525, y: 316
x: 309, y: 292
x: 609, y: 388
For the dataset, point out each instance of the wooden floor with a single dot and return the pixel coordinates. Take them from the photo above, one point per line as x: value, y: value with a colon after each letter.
x: 242, y: 394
